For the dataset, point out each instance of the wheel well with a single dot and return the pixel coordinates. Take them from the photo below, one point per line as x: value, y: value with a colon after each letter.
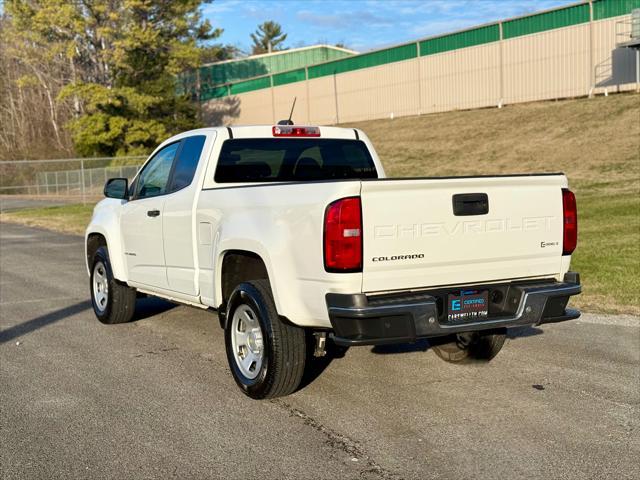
x: 94, y: 242
x: 240, y: 266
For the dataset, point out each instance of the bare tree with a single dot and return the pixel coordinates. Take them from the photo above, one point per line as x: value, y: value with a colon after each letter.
x: 31, y: 118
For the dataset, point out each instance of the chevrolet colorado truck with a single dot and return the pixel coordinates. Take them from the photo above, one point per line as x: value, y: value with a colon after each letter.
x: 295, y: 236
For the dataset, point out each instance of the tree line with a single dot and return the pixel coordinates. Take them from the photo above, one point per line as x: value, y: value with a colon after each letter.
x: 99, y: 77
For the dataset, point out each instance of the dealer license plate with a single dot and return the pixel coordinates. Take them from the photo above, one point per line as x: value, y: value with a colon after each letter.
x: 468, y: 305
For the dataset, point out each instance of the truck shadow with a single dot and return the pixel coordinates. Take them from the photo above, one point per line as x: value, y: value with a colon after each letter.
x: 419, y: 346
x: 424, y: 345
x: 147, y: 307
x: 523, y: 332
x: 314, y: 366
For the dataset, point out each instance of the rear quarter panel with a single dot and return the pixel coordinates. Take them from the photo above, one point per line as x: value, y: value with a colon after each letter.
x: 283, y: 224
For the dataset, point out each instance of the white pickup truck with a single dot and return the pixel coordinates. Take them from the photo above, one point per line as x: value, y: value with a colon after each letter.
x: 294, y: 235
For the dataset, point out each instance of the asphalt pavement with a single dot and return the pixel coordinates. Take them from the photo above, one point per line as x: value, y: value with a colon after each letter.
x: 154, y: 398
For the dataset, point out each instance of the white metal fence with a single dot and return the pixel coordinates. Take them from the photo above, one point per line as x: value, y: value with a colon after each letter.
x: 80, y: 179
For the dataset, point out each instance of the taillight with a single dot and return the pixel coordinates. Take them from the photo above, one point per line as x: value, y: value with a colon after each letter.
x: 343, y: 236
x: 570, y: 222
x: 294, y: 131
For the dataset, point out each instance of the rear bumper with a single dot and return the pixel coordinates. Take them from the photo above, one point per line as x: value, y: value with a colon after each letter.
x: 361, y: 320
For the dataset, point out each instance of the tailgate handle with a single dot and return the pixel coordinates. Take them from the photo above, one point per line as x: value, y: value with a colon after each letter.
x: 470, y: 204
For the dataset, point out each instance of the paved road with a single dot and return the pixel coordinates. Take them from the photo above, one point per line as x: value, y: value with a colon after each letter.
x: 154, y: 398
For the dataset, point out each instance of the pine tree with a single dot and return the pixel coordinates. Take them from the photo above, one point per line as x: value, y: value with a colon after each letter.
x: 267, y: 38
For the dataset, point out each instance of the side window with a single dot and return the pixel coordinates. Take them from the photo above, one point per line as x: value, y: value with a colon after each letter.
x: 154, y: 178
x: 187, y: 162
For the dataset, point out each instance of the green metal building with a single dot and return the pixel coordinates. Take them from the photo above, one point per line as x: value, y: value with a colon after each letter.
x: 281, y: 68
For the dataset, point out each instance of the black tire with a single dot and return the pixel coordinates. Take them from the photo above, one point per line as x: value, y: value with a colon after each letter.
x: 283, y: 344
x: 120, y: 303
x: 470, y: 347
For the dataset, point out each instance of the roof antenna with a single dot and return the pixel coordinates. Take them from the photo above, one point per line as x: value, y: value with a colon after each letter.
x: 289, y: 121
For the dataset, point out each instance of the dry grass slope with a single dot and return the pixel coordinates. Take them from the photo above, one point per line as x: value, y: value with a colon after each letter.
x: 594, y: 141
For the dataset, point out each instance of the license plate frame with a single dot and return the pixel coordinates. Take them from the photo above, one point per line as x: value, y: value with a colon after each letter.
x: 467, y: 305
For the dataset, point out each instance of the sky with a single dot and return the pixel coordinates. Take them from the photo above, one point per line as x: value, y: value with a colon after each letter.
x: 360, y: 24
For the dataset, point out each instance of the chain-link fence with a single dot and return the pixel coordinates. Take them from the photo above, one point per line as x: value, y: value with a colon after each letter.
x: 75, y: 179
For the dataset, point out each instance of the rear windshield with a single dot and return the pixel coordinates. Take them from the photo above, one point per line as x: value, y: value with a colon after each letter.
x: 286, y: 159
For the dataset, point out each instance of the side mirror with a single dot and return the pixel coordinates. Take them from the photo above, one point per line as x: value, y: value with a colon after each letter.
x: 117, y: 188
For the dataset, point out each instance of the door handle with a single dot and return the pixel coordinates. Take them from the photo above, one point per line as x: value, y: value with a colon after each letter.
x: 153, y: 213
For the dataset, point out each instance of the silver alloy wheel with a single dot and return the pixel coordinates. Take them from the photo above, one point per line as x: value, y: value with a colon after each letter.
x: 100, y: 286
x: 247, y: 341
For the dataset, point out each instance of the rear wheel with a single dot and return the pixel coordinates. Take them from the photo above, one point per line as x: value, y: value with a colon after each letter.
x: 113, y: 302
x: 266, y: 354
x: 469, y: 347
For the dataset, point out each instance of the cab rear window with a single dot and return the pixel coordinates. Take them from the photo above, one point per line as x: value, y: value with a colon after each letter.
x: 280, y: 159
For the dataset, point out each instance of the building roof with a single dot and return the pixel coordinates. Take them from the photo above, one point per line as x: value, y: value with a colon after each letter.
x: 227, y: 71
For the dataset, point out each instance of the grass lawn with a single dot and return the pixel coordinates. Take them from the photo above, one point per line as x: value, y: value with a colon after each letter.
x: 596, y: 142
x: 608, y: 253
x: 66, y: 218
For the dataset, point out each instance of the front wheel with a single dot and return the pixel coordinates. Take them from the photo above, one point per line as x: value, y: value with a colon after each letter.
x: 266, y: 354
x: 113, y: 302
x: 469, y: 347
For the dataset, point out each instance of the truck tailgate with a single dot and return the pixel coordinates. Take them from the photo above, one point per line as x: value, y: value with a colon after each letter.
x: 413, y: 239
